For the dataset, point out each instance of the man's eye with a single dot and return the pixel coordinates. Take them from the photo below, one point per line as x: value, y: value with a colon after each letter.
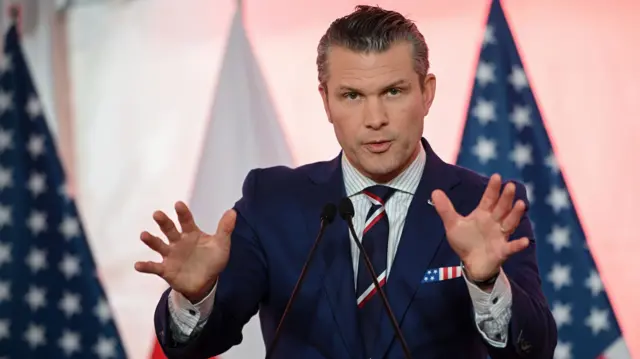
x: 393, y: 91
x: 350, y: 95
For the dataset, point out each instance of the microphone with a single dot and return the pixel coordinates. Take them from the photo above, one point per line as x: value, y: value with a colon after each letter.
x: 326, y: 217
x: 347, y: 212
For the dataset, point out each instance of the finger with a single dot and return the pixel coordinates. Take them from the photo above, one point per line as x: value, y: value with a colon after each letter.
x: 150, y: 268
x: 505, y: 202
x: 511, y: 221
x: 445, y: 209
x: 166, y: 226
x: 227, y: 223
x: 491, y: 193
x: 515, y: 246
x: 185, y: 217
x: 155, y: 243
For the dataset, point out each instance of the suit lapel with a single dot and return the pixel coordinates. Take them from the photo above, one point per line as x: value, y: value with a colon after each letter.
x: 334, y: 262
x: 423, y: 233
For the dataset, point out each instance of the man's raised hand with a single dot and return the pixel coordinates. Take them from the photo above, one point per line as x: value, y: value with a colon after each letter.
x: 481, y: 239
x: 192, y: 259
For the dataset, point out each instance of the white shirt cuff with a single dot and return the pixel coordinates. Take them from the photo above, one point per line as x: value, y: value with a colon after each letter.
x: 492, y: 310
x: 187, y: 316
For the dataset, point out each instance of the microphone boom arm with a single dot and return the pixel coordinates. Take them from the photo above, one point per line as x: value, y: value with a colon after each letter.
x: 347, y: 212
x: 327, y: 217
x: 383, y: 296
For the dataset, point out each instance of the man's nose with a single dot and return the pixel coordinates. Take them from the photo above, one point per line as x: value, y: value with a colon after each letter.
x: 375, y: 115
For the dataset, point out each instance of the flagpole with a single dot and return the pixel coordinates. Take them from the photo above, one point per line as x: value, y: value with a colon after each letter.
x: 240, y: 8
x: 15, y: 15
x: 62, y: 94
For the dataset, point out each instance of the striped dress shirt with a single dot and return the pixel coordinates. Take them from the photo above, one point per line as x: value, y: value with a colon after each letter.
x: 492, y: 310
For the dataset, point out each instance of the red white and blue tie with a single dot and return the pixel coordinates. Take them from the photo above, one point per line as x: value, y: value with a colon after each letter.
x: 375, y: 242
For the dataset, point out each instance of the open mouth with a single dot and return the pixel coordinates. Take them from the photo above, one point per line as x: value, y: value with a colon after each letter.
x: 378, y: 146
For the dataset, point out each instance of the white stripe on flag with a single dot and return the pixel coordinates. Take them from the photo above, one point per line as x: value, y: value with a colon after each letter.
x: 445, y: 273
x: 617, y: 350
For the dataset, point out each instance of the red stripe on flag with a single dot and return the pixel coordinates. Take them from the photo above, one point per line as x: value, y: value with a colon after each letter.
x: 157, y: 352
x: 447, y: 273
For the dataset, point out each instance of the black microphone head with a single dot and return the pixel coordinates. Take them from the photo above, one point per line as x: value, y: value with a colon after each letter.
x: 346, y: 208
x: 328, y: 212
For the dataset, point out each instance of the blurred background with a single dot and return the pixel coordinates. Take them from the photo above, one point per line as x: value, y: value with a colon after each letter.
x: 129, y: 86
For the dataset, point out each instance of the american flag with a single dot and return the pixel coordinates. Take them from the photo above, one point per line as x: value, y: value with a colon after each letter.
x: 52, y: 304
x: 444, y: 273
x: 505, y: 134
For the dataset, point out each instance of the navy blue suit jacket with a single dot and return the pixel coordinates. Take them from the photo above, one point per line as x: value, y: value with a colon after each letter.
x: 277, y: 222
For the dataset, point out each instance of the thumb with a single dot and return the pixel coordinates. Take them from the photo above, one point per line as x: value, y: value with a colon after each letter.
x: 227, y: 223
x: 444, y: 207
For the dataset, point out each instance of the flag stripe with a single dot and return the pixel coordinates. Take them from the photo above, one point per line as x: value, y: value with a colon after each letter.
x: 439, y: 274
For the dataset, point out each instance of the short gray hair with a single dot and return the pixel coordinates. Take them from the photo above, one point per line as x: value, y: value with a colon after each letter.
x: 372, y: 29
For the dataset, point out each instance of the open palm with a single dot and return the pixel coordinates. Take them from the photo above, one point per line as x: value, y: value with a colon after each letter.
x: 192, y: 259
x: 481, y: 239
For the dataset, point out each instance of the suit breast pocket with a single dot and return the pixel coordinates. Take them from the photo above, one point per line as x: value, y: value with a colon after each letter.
x: 443, y: 287
x: 441, y: 311
x: 440, y: 280
x: 445, y: 290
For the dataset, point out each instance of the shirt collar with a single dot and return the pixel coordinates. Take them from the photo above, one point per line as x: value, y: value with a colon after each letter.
x: 408, y: 181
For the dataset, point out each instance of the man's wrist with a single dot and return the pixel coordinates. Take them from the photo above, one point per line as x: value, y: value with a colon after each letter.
x: 486, y: 284
x: 482, y: 283
x: 198, y: 297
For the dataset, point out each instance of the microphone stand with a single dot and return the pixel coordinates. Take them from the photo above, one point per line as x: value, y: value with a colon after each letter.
x: 328, y: 214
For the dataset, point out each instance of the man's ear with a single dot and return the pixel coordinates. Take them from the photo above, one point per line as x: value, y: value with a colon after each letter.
x: 325, y: 100
x: 428, y: 92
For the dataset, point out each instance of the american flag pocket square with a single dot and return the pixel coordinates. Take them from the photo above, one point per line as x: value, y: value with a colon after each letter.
x: 440, y: 274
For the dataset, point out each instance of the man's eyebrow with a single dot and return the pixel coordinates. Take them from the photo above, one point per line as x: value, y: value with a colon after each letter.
x: 401, y: 82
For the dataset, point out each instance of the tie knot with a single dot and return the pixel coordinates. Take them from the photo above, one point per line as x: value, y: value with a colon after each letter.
x: 379, y: 193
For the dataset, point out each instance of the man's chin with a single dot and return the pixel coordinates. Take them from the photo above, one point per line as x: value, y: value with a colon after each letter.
x: 381, y: 173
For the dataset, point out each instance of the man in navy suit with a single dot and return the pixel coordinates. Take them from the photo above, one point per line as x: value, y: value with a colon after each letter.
x: 454, y: 250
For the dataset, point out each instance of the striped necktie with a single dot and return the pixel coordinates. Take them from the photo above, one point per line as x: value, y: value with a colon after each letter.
x: 375, y: 241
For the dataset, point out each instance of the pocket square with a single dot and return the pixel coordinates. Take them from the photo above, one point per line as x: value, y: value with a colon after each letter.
x: 440, y: 274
